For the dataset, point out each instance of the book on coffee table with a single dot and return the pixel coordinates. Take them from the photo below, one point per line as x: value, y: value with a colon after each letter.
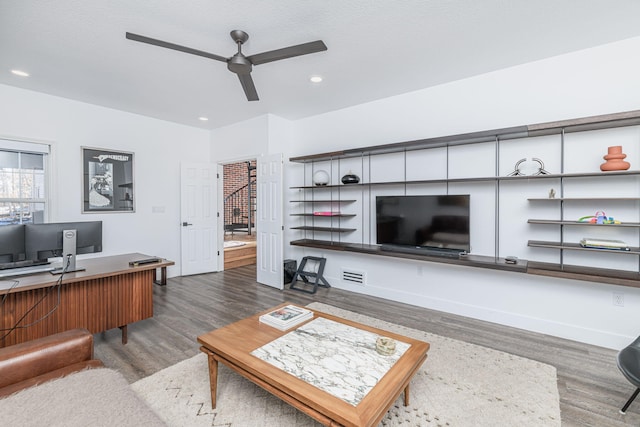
x: 286, y: 317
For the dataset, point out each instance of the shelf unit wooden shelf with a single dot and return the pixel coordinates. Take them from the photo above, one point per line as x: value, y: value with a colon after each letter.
x: 629, y: 278
x: 486, y: 178
x: 468, y: 260
x: 603, y: 275
x: 322, y: 201
x: 583, y: 199
x: 323, y: 218
x: 335, y: 215
x: 578, y: 247
x: 324, y: 229
x: 581, y: 223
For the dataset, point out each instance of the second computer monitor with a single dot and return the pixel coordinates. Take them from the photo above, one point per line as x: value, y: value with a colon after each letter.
x: 43, y: 241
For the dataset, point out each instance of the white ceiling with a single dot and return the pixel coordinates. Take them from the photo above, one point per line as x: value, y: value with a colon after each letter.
x: 376, y: 48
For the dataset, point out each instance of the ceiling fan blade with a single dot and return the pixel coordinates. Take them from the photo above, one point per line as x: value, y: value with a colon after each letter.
x: 287, y: 52
x: 156, y: 42
x: 249, y: 88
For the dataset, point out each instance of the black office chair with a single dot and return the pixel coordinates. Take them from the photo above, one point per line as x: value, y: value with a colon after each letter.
x: 629, y: 365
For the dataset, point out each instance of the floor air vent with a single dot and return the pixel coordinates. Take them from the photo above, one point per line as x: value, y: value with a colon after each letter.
x: 354, y: 277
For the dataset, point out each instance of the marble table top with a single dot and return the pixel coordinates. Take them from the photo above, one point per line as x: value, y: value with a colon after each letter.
x: 337, y: 358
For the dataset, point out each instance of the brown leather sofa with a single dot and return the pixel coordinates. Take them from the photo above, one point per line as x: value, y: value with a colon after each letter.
x: 46, y: 382
x: 34, y: 362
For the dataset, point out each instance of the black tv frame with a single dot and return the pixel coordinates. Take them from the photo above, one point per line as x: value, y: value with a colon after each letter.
x: 405, y: 223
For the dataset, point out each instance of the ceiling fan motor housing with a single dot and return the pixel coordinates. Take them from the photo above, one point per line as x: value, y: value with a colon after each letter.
x: 239, y: 64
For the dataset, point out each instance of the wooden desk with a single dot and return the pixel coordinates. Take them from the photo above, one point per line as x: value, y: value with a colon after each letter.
x: 108, y: 294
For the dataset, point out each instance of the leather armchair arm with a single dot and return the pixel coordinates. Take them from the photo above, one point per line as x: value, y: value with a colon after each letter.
x: 54, y: 353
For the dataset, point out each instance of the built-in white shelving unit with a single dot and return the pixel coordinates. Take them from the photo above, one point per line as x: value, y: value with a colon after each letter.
x: 504, y: 204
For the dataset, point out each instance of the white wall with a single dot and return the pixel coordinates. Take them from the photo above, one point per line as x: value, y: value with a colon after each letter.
x: 159, y: 148
x: 595, y: 81
x: 590, y: 82
x: 240, y: 141
x: 251, y: 138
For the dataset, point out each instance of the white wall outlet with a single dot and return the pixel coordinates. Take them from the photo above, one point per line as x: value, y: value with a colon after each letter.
x: 618, y: 299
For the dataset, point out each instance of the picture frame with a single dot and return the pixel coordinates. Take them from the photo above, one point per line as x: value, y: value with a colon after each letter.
x: 108, y: 181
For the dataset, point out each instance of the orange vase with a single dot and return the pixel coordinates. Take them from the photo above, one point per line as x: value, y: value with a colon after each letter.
x: 614, y: 160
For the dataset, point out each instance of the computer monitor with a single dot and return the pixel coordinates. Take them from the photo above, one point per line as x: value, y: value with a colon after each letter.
x: 12, y: 243
x: 43, y: 241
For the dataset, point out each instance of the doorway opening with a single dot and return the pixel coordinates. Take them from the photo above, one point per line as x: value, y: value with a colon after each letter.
x: 239, y: 198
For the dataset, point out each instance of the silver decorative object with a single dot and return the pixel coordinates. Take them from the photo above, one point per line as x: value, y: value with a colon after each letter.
x: 524, y: 167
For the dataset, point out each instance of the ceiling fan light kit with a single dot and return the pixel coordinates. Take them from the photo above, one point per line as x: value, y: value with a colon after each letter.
x: 239, y: 63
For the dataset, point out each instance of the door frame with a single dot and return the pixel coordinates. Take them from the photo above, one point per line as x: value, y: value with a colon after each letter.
x: 220, y: 165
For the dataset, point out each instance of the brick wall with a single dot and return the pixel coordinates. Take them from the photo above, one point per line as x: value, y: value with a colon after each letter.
x: 235, y: 177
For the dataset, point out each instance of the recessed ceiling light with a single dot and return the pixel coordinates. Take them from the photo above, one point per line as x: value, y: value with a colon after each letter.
x: 20, y: 73
x: 315, y: 79
x: 203, y: 119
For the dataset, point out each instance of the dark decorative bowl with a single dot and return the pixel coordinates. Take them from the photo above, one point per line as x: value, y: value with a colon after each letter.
x: 350, y: 179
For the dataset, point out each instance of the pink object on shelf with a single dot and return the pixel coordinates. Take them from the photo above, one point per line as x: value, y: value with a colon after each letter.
x: 327, y: 213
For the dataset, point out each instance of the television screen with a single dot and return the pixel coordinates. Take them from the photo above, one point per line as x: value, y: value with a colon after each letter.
x: 423, y: 221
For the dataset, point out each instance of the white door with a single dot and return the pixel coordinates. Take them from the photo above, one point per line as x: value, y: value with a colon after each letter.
x: 198, y: 217
x: 269, y: 221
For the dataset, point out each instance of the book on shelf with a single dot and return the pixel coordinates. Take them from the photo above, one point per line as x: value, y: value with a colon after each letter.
x: 326, y: 213
x: 286, y: 317
x: 588, y: 242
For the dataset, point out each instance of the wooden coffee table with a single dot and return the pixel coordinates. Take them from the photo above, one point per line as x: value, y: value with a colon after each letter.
x: 232, y: 345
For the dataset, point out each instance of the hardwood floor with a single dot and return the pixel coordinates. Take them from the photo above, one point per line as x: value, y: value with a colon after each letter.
x: 591, y: 388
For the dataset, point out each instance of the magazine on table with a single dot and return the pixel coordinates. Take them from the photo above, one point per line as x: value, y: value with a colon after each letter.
x: 286, y: 317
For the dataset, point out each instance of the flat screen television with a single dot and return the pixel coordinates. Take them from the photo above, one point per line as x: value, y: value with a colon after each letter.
x: 433, y: 221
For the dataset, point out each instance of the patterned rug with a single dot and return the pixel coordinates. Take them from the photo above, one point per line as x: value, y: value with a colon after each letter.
x: 233, y: 243
x: 460, y: 384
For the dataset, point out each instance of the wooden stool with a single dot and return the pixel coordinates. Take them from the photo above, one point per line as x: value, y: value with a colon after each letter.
x: 306, y: 274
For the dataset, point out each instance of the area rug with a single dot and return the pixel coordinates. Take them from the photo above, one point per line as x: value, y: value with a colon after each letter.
x: 460, y: 384
x: 233, y: 243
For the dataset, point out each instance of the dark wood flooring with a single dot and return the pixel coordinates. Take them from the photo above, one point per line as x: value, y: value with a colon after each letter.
x: 591, y: 388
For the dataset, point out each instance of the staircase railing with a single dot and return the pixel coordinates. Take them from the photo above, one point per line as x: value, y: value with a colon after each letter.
x: 240, y: 205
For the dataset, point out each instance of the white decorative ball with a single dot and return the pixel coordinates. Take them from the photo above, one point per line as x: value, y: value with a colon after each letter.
x: 321, y: 178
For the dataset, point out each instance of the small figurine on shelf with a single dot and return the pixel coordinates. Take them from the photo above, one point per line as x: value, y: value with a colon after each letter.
x: 552, y: 194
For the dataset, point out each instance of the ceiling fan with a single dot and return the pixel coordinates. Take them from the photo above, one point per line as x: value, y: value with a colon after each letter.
x: 238, y: 63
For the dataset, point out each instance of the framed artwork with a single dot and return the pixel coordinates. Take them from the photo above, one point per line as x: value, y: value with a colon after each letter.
x: 107, y: 181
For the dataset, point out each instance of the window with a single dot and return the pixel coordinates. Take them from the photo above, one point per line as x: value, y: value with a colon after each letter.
x: 22, y: 182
